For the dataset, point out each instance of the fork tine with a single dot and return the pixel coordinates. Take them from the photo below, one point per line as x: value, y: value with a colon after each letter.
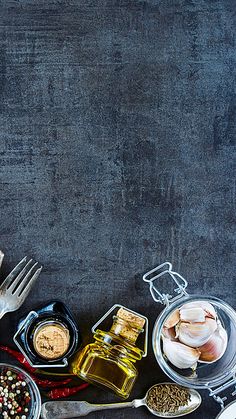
x: 22, y: 282
x: 25, y: 291
x: 14, y: 285
x: 7, y: 282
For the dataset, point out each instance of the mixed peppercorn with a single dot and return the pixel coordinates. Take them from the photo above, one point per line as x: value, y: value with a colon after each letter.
x: 14, y: 396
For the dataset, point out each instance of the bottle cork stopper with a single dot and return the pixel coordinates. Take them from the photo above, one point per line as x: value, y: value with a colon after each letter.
x: 135, y: 320
x: 51, y: 341
x: 127, y: 325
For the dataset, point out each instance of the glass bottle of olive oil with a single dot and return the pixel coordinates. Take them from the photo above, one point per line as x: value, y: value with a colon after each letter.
x: 109, y: 361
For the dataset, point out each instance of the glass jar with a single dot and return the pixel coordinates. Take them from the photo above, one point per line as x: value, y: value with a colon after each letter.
x: 55, y: 316
x: 215, y: 376
x: 110, y: 360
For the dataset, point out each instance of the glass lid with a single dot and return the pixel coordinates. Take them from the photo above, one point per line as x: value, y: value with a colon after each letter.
x: 229, y: 412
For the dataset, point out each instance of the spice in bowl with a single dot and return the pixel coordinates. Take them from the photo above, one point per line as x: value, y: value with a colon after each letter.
x: 51, y: 340
x: 167, y: 398
x: 15, y: 397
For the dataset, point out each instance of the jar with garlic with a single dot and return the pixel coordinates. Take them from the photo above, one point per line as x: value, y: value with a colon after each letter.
x: 194, y: 336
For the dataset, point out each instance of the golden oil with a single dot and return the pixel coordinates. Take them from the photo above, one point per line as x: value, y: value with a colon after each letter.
x: 109, y: 361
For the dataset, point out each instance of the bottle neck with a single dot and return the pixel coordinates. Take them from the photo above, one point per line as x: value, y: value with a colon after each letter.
x: 116, y: 343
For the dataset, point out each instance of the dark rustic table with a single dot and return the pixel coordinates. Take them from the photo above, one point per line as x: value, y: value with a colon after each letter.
x: 118, y: 151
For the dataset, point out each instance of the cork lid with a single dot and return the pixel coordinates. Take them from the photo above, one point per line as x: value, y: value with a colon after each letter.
x: 135, y: 320
x: 51, y: 340
x: 127, y: 325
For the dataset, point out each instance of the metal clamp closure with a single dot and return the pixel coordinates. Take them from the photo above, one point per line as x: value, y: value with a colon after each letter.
x: 215, y: 392
x: 145, y: 350
x: 159, y: 271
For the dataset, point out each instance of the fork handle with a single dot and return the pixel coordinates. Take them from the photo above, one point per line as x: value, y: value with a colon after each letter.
x: 1, y: 257
x: 2, y: 314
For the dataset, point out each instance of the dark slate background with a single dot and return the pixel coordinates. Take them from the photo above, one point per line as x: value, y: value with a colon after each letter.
x: 118, y: 150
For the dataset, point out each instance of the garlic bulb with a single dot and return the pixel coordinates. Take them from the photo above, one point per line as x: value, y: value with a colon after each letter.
x: 215, y: 347
x: 207, y: 307
x: 181, y: 356
x: 172, y: 320
x: 196, y: 334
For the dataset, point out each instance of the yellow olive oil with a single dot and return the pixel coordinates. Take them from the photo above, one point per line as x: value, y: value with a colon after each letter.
x: 109, y: 361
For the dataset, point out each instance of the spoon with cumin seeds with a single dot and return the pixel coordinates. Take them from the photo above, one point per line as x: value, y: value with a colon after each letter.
x: 169, y: 400
x: 165, y: 400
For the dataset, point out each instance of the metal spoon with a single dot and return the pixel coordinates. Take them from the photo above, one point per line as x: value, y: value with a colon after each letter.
x: 70, y: 409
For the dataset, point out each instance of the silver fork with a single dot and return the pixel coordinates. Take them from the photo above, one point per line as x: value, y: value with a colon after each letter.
x: 18, y: 284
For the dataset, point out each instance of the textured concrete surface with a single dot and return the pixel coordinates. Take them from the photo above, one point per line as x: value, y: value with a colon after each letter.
x: 117, y: 152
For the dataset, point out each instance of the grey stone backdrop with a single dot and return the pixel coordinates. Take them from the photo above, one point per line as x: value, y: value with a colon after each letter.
x: 117, y: 152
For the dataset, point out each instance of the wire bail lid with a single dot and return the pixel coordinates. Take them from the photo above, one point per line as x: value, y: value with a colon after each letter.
x: 158, y: 272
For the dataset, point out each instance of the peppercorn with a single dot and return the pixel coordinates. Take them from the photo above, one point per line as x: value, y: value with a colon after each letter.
x: 14, y: 396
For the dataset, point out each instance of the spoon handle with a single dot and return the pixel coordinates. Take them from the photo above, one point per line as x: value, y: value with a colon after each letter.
x: 70, y: 409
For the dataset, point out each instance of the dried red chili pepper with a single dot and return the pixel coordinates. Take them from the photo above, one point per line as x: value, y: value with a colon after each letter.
x: 50, y: 384
x: 44, y: 383
x: 59, y: 393
x: 55, y: 374
x: 23, y: 361
x: 19, y: 357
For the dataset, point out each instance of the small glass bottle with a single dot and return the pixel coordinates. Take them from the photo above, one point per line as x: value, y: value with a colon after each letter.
x: 109, y: 361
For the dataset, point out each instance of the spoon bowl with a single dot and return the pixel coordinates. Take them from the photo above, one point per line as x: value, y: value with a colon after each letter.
x: 193, y: 404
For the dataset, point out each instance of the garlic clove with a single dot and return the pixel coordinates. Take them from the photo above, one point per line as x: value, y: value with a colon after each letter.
x: 169, y: 333
x: 192, y: 315
x: 215, y: 347
x: 205, y: 305
x: 196, y: 334
x: 172, y: 320
x: 180, y: 355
